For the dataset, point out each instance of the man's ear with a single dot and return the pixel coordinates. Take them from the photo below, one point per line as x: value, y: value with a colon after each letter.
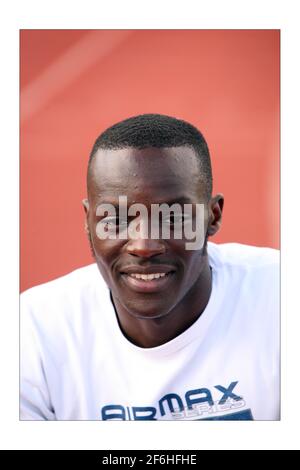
x: 86, y: 207
x: 85, y: 203
x: 215, y: 209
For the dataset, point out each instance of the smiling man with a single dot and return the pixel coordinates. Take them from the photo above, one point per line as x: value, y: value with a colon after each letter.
x: 160, y: 327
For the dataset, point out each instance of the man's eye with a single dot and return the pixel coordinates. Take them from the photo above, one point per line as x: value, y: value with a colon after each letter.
x: 176, y: 219
x: 114, y: 221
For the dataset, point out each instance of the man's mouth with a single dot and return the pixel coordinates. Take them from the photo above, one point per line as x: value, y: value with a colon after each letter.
x: 143, y: 281
x: 147, y: 277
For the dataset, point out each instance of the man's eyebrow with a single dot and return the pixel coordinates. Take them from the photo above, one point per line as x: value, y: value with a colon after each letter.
x: 181, y: 200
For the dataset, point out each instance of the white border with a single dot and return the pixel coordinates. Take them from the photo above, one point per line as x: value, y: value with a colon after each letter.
x: 155, y: 14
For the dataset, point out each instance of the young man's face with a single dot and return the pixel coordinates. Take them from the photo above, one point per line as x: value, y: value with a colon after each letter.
x: 147, y: 176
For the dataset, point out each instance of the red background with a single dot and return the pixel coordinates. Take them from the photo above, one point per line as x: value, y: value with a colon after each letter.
x: 75, y: 83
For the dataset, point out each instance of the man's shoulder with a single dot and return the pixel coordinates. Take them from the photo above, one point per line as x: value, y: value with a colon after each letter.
x: 248, y: 276
x: 243, y: 256
x: 66, y: 288
x: 62, y: 311
x: 245, y: 265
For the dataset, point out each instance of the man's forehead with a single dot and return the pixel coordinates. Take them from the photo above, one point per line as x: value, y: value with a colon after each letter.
x: 126, y: 200
x: 146, y: 174
x: 154, y: 163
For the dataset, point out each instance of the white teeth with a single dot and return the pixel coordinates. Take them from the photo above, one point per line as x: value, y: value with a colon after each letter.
x: 148, y: 277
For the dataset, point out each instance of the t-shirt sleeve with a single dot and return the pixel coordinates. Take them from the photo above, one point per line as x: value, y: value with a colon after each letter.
x: 35, y: 403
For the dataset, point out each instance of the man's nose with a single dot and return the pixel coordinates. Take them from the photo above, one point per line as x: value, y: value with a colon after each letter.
x: 145, y: 247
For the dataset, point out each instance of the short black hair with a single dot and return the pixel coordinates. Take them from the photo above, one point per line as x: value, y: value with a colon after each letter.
x: 156, y: 130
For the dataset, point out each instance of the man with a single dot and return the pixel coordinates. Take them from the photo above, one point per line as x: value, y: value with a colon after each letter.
x: 157, y: 328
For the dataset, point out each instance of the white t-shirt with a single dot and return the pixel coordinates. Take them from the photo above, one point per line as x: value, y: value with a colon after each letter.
x: 76, y: 364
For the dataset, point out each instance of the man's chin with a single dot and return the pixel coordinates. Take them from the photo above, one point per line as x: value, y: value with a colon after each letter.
x: 146, y: 309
